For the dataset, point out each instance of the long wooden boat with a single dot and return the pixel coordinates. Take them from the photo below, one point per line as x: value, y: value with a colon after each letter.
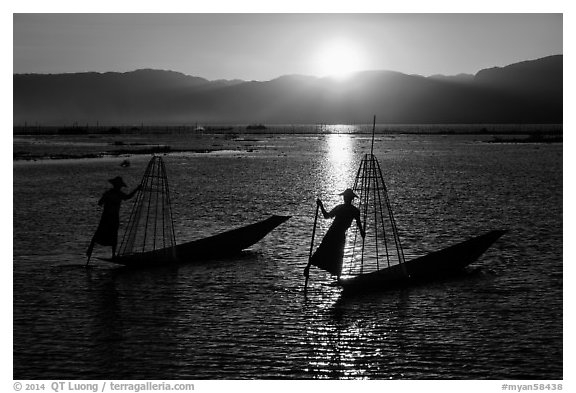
x: 221, y: 245
x: 432, y: 266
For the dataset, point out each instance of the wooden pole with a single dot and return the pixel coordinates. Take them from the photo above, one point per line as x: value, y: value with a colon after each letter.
x: 307, y: 268
x: 89, y: 252
x: 373, y: 132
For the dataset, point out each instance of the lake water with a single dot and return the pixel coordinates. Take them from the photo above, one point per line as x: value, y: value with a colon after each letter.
x: 247, y: 318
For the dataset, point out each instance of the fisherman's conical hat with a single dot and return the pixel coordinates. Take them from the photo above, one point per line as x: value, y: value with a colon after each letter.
x: 117, y: 182
x: 349, y: 193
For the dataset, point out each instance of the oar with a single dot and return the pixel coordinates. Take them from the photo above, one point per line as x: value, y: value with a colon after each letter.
x: 89, y: 251
x: 307, y: 268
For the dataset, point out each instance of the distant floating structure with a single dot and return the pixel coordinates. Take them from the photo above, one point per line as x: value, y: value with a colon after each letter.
x: 198, y: 128
x: 256, y: 127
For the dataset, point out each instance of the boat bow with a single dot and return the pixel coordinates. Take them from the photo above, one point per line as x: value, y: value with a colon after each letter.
x: 224, y: 244
x: 435, y: 265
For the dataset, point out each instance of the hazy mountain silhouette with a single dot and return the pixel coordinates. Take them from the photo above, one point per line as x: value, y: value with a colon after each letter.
x: 526, y: 92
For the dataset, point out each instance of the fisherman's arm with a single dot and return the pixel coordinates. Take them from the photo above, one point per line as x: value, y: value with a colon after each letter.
x: 325, y: 213
x: 133, y: 192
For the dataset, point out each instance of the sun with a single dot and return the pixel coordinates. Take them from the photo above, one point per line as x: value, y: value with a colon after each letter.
x: 338, y: 59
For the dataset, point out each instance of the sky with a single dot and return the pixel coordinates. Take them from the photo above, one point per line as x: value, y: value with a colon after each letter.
x: 256, y: 46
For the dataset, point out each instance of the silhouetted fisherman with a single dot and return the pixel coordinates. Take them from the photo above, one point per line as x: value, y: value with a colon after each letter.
x: 330, y: 253
x: 107, y: 232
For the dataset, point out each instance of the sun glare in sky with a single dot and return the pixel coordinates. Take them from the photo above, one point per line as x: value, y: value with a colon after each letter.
x: 339, y: 59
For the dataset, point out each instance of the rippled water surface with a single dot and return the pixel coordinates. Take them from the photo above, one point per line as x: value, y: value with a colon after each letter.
x: 247, y: 317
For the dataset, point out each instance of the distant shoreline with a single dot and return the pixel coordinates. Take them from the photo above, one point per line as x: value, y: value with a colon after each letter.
x: 38, y: 147
x: 532, y: 138
x: 276, y: 129
x: 24, y: 156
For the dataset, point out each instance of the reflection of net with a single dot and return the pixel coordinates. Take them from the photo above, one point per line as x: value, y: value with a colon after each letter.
x: 150, y: 226
x: 381, y: 247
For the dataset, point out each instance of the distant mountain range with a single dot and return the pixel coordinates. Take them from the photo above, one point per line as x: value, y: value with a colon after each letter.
x: 526, y: 92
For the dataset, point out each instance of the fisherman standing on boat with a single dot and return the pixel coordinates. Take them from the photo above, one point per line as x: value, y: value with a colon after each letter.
x: 330, y: 253
x: 107, y: 232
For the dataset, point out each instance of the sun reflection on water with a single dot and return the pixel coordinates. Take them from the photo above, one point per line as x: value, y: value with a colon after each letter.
x: 341, y: 346
x: 344, y: 345
x: 341, y: 163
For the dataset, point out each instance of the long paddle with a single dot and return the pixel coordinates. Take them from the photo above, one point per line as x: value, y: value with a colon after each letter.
x: 89, y: 253
x: 307, y: 268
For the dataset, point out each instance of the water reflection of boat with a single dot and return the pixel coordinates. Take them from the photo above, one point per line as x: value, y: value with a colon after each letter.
x: 224, y: 244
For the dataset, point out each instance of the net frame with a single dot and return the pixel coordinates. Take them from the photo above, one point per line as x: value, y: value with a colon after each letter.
x: 150, y: 226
